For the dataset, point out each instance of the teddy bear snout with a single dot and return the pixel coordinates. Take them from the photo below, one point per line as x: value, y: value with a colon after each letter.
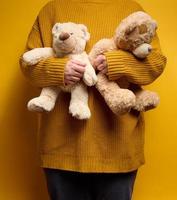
x: 63, y: 36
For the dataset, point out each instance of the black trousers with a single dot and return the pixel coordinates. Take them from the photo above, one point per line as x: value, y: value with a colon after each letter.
x: 69, y: 185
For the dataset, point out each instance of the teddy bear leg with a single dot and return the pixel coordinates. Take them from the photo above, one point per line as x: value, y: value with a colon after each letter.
x: 79, y: 102
x: 46, y: 100
x: 120, y: 101
x: 146, y: 100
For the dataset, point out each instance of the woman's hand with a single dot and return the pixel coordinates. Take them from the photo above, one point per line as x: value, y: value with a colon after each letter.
x: 74, y: 71
x: 100, y: 64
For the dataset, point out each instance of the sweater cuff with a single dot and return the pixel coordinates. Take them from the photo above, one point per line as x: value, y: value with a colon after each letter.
x: 49, y: 72
x: 141, y: 72
x: 55, y: 70
x: 116, y: 63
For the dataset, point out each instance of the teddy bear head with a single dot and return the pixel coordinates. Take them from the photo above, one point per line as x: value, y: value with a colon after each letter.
x: 69, y: 38
x: 135, y: 34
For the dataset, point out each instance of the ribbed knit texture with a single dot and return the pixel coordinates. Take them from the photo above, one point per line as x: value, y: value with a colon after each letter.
x: 105, y: 142
x: 144, y: 71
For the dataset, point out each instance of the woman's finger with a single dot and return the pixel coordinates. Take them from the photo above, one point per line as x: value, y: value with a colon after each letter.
x: 78, y: 68
x: 105, y: 63
x: 74, y: 78
x: 70, y: 82
x: 101, y: 57
x: 78, y: 63
x: 104, y: 71
x: 77, y: 74
x: 97, y: 62
x: 100, y: 67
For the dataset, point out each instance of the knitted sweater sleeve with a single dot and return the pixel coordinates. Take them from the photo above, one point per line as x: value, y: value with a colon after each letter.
x: 141, y: 72
x: 48, y: 72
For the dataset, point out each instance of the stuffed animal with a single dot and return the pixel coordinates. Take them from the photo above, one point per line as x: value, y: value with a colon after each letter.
x: 68, y: 39
x: 134, y: 34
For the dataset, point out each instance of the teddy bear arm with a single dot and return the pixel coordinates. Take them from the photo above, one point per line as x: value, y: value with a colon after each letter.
x: 89, y: 77
x: 101, y: 47
x: 35, y: 55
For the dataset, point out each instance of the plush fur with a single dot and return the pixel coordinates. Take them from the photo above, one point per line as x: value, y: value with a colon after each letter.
x: 68, y: 39
x: 134, y: 34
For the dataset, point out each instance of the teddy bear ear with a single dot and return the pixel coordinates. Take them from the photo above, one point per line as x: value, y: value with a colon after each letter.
x: 55, y: 28
x: 85, y: 30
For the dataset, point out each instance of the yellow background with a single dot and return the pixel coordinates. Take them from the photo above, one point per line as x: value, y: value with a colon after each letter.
x: 20, y: 175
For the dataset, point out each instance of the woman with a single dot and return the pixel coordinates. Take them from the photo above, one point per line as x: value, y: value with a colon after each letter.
x: 97, y: 158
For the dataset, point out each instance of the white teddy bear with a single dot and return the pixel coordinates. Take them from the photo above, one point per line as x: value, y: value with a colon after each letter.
x: 68, y: 39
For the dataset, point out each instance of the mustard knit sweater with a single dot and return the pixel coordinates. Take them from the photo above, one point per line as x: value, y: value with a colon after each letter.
x: 104, y: 143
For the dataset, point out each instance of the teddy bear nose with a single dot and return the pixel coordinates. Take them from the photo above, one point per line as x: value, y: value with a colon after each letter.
x: 64, y: 36
x: 149, y: 49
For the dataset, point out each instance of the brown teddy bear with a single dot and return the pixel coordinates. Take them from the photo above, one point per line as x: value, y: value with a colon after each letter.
x: 134, y: 34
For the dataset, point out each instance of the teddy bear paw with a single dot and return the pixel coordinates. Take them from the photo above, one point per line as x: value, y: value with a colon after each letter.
x: 122, y: 101
x: 41, y: 104
x: 30, y: 58
x: 90, y: 77
x: 146, y: 100
x: 79, y: 110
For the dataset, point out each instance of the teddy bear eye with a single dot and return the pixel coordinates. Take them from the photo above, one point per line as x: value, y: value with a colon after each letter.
x: 71, y: 33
